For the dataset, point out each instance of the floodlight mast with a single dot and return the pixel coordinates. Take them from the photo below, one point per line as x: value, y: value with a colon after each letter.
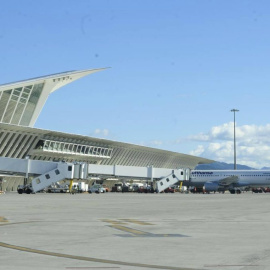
x: 234, y: 111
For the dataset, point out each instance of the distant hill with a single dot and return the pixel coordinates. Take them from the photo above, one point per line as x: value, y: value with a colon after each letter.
x: 222, y: 166
x: 265, y: 168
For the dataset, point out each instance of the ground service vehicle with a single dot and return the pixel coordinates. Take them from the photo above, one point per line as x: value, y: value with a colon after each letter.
x: 24, y: 189
x: 96, y: 189
x: 117, y: 187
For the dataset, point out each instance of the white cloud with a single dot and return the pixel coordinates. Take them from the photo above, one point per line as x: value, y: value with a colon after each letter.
x: 252, y: 144
x: 197, y: 152
x: 101, y: 132
x: 156, y: 142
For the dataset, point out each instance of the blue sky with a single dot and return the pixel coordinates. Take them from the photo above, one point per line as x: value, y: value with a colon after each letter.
x: 177, y: 69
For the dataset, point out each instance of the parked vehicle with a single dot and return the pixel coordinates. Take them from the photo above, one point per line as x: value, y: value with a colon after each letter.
x: 266, y: 190
x: 24, y: 189
x: 57, y: 188
x: 106, y: 188
x: 169, y: 190
x: 96, y: 189
x: 146, y: 189
x: 196, y: 190
x: 127, y: 187
x: 81, y: 187
x: 257, y: 190
x: 176, y: 188
x: 137, y: 187
x: 117, y: 187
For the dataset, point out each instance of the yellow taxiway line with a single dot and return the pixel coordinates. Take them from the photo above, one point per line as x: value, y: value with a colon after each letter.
x: 89, y: 259
x: 3, y: 219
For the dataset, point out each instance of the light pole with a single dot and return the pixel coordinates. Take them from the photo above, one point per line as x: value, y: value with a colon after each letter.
x: 27, y: 170
x: 234, y: 110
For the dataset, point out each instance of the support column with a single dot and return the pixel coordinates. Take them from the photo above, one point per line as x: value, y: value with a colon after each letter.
x: 70, y: 185
x: 180, y: 187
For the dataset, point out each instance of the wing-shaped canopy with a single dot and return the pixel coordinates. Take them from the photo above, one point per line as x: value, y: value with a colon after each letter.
x: 21, y: 102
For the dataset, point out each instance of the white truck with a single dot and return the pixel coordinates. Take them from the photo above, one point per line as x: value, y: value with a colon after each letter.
x: 80, y: 186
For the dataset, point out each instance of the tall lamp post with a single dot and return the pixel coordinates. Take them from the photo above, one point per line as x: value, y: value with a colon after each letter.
x: 234, y: 111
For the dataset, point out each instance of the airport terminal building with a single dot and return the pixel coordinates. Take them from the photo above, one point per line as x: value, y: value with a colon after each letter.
x: 20, y: 105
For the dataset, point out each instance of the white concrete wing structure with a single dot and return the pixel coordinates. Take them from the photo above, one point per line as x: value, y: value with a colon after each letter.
x: 39, y: 144
x: 21, y: 102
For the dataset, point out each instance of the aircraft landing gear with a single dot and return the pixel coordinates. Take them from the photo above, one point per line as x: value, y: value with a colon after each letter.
x: 233, y: 191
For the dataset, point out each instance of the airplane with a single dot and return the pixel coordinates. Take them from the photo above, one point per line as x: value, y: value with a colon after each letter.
x: 232, y: 180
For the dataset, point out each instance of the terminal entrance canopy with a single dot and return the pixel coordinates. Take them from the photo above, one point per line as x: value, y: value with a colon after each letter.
x: 21, y: 102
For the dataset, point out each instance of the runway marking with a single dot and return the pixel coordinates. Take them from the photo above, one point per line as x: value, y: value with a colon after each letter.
x: 232, y: 265
x: 136, y: 233
x: 113, y: 221
x: 125, y: 221
x: 94, y: 267
x: 90, y: 259
x: 135, y: 221
x: 3, y: 219
x: 127, y: 229
x: 15, y: 223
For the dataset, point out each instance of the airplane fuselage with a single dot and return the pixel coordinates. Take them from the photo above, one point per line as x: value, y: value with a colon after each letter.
x: 198, y: 178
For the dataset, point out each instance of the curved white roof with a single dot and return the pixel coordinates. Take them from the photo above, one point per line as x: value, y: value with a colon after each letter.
x: 40, y: 144
x: 21, y: 102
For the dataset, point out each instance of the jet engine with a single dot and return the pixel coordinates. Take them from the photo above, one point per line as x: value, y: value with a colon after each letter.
x: 210, y: 186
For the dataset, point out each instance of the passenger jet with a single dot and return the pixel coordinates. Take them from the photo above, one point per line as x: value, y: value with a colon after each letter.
x: 221, y: 180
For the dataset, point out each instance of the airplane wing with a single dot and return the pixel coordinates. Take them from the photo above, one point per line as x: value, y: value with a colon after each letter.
x: 228, y: 180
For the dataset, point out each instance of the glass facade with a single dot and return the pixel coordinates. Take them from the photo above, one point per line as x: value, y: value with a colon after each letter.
x: 17, y: 105
x: 75, y: 149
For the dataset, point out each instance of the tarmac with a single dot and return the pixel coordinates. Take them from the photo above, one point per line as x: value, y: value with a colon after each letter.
x: 135, y: 231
